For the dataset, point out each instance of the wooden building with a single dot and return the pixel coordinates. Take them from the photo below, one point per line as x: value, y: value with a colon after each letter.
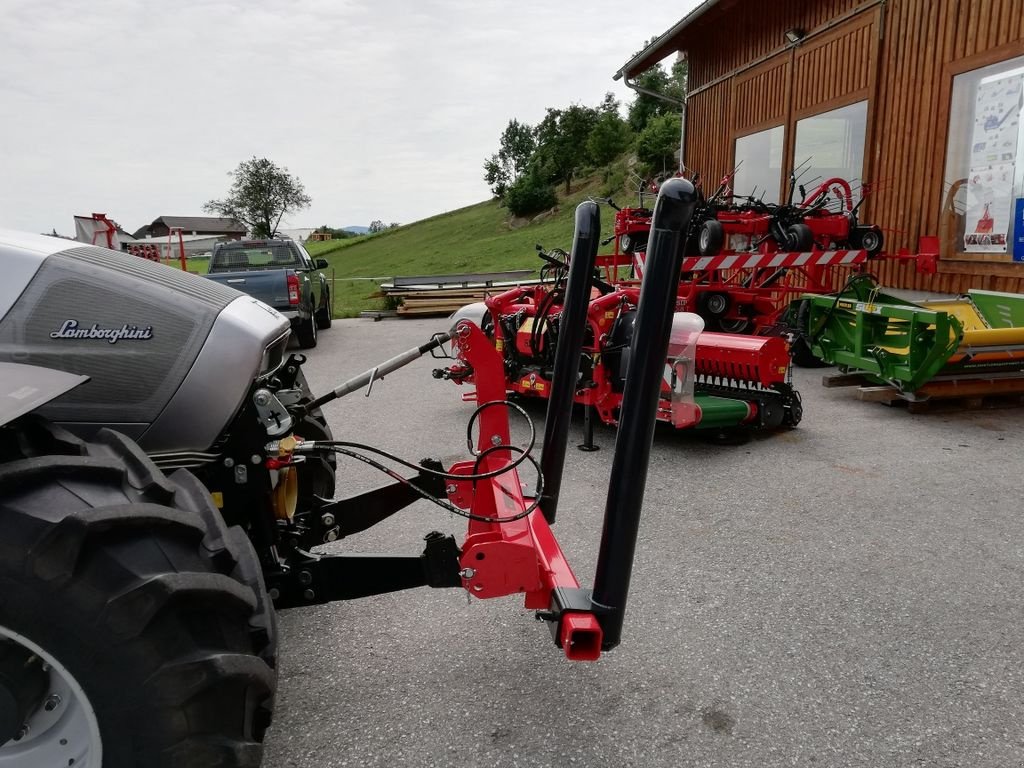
x: 922, y: 99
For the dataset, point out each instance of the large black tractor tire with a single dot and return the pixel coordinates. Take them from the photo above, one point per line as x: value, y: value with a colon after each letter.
x: 711, y: 238
x: 305, y: 332
x: 323, y: 315
x: 129, y: 583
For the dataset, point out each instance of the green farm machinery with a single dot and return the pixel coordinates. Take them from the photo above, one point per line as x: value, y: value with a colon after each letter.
x: 966, y: 346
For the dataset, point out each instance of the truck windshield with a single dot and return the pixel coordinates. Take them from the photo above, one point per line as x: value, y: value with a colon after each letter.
x: 268, y: 256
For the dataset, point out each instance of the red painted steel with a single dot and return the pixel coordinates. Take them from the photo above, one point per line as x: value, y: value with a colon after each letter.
x: 514, y: 556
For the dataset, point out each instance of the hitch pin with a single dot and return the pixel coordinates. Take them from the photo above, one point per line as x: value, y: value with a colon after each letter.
x: 369, y: 384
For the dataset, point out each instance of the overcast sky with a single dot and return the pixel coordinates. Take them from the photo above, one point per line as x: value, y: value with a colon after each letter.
x: 385, y: 109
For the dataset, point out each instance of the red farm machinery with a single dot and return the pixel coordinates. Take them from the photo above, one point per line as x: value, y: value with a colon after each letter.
x: 711, y: 381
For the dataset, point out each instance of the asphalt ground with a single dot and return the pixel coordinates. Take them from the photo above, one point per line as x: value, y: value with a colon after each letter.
x: 848, y: 593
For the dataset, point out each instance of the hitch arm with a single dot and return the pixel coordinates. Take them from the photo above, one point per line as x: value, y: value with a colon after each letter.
x: 317, y: 579
x: 358, y: 513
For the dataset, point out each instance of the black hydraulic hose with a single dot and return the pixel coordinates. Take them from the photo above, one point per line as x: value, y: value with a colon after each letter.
x: 648, y: 350
x: 567, y: 353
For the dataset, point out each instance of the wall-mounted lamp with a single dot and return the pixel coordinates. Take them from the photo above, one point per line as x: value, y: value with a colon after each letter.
x: 795, y: 35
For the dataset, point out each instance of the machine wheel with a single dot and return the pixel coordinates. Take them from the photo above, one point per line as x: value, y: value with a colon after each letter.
x: 734, y: 326
x: 800, y: 350
x: 711, y: 238
x: 868, y: 238
x: 305, y: 332
x: 323, y: 315
x: 134, y: 626
x: 632, y: 243
x: 713, y: 306
x: 799, y: 237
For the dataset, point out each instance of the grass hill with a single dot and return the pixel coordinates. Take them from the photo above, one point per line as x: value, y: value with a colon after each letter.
x: 478, y: 238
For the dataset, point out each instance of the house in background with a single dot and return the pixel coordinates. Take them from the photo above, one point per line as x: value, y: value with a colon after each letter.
x: 228, y: 229
x: 924, y: 99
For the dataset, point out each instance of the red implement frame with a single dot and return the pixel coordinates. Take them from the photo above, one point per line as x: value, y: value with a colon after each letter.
x: 504, y: 558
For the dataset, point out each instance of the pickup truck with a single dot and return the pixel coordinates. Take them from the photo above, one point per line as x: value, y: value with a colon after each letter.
x: 280, y: 273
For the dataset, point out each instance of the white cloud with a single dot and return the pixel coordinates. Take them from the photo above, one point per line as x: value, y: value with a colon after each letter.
x: 384, y: 109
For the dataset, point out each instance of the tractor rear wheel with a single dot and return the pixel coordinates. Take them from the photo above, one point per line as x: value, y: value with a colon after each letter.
x: 135, y: 629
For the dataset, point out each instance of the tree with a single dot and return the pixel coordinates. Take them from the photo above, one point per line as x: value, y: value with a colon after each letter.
x: 562, y: 141
x: 658, y: 143
x: 496, y: 175
x: 508, y: 164
x: 377, y: 226
x: 646, y: 107
x: 610, y: 135
x: 516, y: 148
x: 261, y: 194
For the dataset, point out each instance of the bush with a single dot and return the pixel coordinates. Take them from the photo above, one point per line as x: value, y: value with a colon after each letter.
x: 529, y: 194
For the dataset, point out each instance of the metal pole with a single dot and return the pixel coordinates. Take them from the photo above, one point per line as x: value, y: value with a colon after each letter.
x: 567, y: 355
x: 588, y: 431
x: 638, y: 413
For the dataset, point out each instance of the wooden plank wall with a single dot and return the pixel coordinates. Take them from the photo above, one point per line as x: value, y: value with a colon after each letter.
x: 905, y: 72
x: 923, y: 41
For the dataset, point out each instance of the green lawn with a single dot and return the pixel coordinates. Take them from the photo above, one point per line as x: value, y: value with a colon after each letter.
x: 473, y: 239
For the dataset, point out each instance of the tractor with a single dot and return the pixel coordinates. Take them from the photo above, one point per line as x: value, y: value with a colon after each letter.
x: 166, y: 477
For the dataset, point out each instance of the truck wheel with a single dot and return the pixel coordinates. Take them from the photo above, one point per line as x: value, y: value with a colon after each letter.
x: 134, y: 626
x: 323, y: 315
x: 305, y: 332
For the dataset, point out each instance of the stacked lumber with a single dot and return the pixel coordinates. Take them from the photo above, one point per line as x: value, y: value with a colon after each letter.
x: 434, y: 295
x: 437, y: 301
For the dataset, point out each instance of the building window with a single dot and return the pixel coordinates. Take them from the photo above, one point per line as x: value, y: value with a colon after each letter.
x: 984, y: 177
x: 759, y: 164
x: 830, y: 145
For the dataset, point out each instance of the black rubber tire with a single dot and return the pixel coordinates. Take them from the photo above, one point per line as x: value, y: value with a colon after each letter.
x: 711, y: 237
x: 132, y: 581
x: 868, y: 238
x: 305, y: 332
x: 633, y: 243
x: 800, y: 350
x: 319, y: 481
x: 799, y: 238
x: 323, y: 315
x: 317, y: 477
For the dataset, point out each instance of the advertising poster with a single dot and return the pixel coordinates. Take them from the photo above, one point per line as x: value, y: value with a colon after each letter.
x: 990, y: 197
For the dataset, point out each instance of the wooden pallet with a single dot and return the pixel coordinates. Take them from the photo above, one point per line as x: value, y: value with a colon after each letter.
x: 943, y: 395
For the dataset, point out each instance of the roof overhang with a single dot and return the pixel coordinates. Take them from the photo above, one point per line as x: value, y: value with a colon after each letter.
x: 664, y: 45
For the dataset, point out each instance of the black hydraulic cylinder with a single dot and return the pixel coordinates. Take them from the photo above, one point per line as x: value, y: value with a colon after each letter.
x: 639, y: 409
x: 564, y: 381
